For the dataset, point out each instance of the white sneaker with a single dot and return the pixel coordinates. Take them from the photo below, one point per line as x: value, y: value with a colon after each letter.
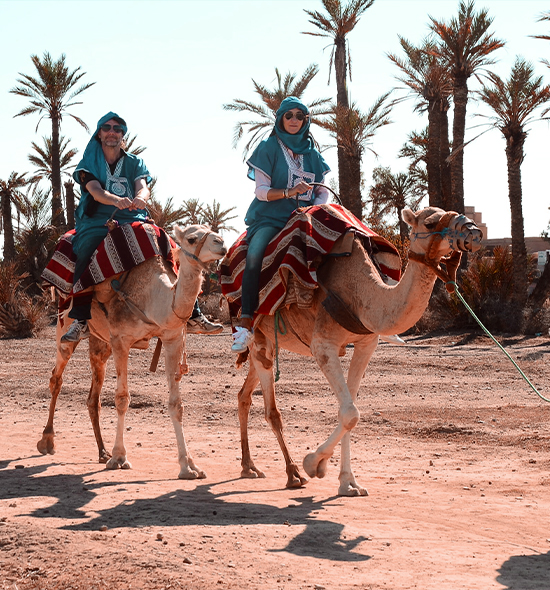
x: 392, y: 339
x: 77, y: 331
x: 242, y: 339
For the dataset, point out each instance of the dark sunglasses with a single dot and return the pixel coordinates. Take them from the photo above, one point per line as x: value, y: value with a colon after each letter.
x: 115, y: 128
x: 299, y: 115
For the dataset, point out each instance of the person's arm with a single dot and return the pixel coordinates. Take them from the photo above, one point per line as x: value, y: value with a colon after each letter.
x: 320, y: 195
x: 142, y: 193
x: 264, y: 192
x: 105, y: 197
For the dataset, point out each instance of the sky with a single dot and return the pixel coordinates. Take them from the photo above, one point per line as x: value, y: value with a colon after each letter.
x: 167, y: 67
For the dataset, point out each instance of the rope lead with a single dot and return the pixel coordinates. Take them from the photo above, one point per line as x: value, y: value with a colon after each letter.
x: 457, y: 292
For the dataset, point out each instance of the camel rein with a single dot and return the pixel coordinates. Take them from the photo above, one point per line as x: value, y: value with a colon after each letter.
x: 449, y: 278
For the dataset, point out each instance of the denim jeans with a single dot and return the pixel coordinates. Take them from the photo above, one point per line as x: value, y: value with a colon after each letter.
x: 251, y: 276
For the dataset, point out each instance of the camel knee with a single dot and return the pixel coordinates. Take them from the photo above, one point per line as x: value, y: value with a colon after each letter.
x: 122, y: 402
x: 349, y: 416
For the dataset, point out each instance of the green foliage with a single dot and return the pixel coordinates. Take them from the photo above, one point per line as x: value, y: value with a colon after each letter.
x: 487, y: 287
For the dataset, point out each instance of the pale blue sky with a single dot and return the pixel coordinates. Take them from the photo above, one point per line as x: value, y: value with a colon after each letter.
x: 167, y: 67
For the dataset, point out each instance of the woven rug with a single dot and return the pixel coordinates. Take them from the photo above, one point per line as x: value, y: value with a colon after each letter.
x: 125, y: 247
x: 308, y: 236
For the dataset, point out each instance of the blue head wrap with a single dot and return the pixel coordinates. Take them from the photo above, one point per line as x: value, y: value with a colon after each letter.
x: 93, y: 160
x: 301, y: 142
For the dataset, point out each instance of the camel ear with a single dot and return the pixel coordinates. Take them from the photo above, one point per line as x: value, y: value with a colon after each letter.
x: 179, y: 234
x: 408, y: 216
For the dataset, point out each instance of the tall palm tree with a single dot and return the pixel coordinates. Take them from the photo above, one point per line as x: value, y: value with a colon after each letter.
x: 415, y: 149
x: 10, y: 193
x: 465, y: 46
x: 51, y: 94
x: 272, y: 98
x: 428, y: 79
x: 353, y: 131
x: 391, y: 193
x: 545, y: 16
x: 336, y: 24
x: 217, y: 218
x: 514, y: 102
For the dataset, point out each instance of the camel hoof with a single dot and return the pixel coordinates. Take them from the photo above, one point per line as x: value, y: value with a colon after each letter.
x: 252, y: 473
x: 351, y: 490
x: 46, y: 445
x: 310, y: 464
x: 191, y: 474
x: 296, y: 482
x: 113, y: 463
x: 104, y: 456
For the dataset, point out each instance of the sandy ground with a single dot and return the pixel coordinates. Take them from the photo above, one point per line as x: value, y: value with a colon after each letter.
x: 452, y: 445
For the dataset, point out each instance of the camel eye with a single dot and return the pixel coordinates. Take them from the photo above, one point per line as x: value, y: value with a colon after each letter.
x: 431, y: 226
x: 192, y: 240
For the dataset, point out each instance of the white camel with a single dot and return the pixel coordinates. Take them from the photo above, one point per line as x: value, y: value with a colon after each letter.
x: 160, y: 304
x: 381, y: 308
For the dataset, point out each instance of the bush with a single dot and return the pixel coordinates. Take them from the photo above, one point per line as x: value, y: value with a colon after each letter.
x: 21, y: 316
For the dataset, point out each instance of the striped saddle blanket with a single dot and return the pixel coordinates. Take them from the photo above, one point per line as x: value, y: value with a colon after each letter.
x: 125, y: 247
x: 295, y: 253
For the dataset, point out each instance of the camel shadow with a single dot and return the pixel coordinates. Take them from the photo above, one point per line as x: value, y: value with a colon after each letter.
x: 525, y: 572
x: 179, y: 507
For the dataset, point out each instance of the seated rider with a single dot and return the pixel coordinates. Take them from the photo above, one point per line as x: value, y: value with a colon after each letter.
x: 283, y: 166
x: 111, y: 181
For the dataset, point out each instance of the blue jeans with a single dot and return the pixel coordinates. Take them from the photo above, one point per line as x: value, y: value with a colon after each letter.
x: 251, y: 276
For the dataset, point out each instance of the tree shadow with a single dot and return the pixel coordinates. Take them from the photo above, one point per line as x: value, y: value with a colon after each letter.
x: 525, y: 572
x: 179, y: 508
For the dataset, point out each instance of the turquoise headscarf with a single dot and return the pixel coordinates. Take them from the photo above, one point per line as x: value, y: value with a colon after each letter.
x: 93, y: 160
x: 301, y: 142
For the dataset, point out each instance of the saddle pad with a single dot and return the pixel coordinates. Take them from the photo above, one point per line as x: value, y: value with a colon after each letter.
x: 124, y: 247
x: 309, y: 235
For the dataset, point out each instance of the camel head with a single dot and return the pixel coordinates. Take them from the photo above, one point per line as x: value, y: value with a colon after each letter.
x: 200, y: 243
x: 436, y: 234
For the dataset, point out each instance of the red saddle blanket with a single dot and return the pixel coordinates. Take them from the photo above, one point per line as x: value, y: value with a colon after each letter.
x: 124, y: 247
x: 309, y: 234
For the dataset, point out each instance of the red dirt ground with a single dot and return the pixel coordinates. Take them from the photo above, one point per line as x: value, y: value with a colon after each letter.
x: 452, y: 445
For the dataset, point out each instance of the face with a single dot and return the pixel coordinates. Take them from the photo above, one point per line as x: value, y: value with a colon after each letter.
x: 111, y: 138
x: 292, y: 126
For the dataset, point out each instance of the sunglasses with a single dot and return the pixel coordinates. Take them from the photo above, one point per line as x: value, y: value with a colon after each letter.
x: 115, y: 128
x: 299, y: 115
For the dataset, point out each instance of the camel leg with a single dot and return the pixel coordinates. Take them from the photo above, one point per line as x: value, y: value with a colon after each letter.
x: 326, y: 355
x: 99, y: 354
x: 245, y: 401
x: 262, y: 357
x: 122, y: 401
x: 361, y: 356
x: 174, y: 351
x: 46, y: 445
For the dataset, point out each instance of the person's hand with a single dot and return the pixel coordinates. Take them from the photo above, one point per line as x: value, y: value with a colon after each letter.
x: 123, y: 203
x: 138, y: 203
x: 301, y: 188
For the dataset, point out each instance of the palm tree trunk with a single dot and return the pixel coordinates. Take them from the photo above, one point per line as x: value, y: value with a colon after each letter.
x: 341, y: 68
x: 514, y: 158
x: 460, y: 99
x: 444, y: 165
x: 7, y: 222
x: 353, y: 171
x: 69, y: 199
x: 58, y: 217
x: 432, y: 165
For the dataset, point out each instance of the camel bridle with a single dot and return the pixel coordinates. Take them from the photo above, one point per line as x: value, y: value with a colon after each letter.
x: 431, y: 259
x: 195, y: 255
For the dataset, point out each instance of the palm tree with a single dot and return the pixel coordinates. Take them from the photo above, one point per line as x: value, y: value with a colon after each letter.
x: 10, y: 192
x: 430, y: 82
x: 166, y: 214
x: 465, y: 46
x: 42, y: 159
x: 51, y: 94
x: 391, y: 193
x: 37, y: 238
x: 194, y: 211
x: 217, y: 218
x: 415, y: 149
x: 272, y: 99
x: 545, y: 16
x: 514, y: 102
x: 353, y: 132
x: 336, y: 24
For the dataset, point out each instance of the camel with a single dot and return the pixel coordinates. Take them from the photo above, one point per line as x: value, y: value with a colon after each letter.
x: 160, y: 304
x: 382, y: 309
